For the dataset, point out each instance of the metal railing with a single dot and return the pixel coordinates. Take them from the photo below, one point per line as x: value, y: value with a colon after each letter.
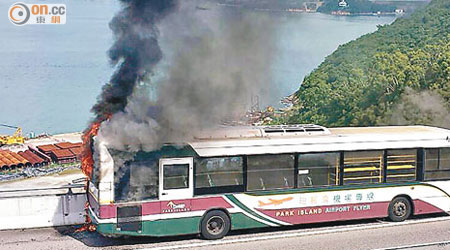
x: 69, y: 189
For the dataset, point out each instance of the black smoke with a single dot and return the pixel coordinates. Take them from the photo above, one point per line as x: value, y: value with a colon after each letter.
x: 135, y: 51
x: 215, y: 60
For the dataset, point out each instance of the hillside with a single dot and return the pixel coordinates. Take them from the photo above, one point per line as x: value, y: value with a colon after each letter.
x: 399, y: 74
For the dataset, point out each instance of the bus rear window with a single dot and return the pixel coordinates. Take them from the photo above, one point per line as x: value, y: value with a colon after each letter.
x: 265, y: 172
x: 437, y: 164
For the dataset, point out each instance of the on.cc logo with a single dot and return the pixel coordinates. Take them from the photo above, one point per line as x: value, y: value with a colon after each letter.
x: 19, y: 14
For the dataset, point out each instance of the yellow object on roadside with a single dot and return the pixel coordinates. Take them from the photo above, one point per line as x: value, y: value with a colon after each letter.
x: 16, y: 138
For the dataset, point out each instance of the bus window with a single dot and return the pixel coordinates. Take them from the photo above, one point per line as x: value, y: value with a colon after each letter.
x: 437, y: 164
x: 216, y: 172
x: 136, y: 179
x: 363, y: 167
x: 445, y: 159
x: 431, y: 159
x: 318, y: 169
x: 265, y: 172
x: 401, y: 165
x: 176, y: 176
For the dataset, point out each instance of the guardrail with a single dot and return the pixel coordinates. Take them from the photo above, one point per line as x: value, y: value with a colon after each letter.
x: 42, y: 207
x: 69, y: 189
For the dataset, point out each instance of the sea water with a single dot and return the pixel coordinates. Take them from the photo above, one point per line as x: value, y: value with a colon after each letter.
x: 51, y: 75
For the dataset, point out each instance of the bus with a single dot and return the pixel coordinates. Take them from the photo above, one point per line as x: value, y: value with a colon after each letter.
x: 270, y: 176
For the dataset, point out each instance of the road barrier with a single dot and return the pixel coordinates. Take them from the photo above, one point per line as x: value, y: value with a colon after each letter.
x: 42, y: 207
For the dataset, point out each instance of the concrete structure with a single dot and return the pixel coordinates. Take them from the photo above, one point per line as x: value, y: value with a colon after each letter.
x: 44, y: 207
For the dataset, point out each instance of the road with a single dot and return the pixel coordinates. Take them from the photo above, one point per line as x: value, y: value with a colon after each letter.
x: 417, y: 233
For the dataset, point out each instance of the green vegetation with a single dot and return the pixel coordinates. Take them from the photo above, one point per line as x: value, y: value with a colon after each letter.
x: 369, y: 81
x: 356, y: 7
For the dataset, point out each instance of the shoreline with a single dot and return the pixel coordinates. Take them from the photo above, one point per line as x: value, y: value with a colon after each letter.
x: 27, y: 174
x: 300, y: 10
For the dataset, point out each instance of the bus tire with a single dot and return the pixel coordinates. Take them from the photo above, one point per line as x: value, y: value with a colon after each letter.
x: 399, y: 209
x: 215, y: 225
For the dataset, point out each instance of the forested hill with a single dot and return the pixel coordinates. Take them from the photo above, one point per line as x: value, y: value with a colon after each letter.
x: 399, y: 74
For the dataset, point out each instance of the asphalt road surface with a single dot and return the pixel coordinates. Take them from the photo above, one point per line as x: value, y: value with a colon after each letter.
x: 430, y: 232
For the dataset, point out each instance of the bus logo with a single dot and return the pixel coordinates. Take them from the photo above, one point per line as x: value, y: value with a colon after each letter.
x: 176, y: 206
x: 274, y: 202
x: 172, y: 207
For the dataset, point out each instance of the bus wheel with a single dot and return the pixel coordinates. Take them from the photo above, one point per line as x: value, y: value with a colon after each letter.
x: 215, y: 225
x: 399, y: 209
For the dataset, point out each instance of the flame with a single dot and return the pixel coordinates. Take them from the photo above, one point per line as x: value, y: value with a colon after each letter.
x: 87, y: 159
x: 87, y: 167
x: 87, y: 226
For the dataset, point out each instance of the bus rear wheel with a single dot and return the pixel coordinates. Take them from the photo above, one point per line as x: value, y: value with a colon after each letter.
x: 215, y: 225
x: 399, y: 209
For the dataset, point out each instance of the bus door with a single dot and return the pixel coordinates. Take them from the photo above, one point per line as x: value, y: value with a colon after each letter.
x: 176, y: 178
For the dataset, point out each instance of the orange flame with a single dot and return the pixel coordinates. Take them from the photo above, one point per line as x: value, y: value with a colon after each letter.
x: 87, y: 226
x: 87, y: 159
x: 87, y: 167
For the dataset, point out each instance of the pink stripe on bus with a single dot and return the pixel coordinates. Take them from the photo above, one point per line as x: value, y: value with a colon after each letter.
x: 208, y: 203
x: 422, y: 207
x: 341, y: 212
x: 170, y: 206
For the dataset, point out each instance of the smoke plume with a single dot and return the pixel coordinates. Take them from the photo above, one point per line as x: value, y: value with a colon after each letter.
x: 135, y: 51
x: 425, y: 107
x: 214, y: 62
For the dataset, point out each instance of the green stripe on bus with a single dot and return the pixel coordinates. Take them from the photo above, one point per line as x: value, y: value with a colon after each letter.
x: 179, y: 226
x: 248, y: 210
x: 242, y: 221
x: 188, y: 225
x: 106, y: 228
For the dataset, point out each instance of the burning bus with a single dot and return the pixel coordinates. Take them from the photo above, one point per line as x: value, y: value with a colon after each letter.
x: 270, y: 176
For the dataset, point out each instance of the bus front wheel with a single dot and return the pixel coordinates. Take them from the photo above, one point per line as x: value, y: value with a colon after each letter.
x: 399, y: 209
x: 215, y: 225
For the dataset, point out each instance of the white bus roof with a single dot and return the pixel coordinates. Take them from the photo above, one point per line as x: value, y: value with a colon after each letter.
x: 288, y: 139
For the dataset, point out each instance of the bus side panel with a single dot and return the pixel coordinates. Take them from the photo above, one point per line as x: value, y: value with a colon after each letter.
x: 328, y: 213
x: 425, y: 206
x: 162, y: 218
x: 102, y: 228
x: 157, y: 228
x: 106, y: 228
x: 340, y: 203
x: 439, y: 198
x: 175, y: 226
x: 180, y: 226
x: 283, y: 208
x: 242, y: 221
